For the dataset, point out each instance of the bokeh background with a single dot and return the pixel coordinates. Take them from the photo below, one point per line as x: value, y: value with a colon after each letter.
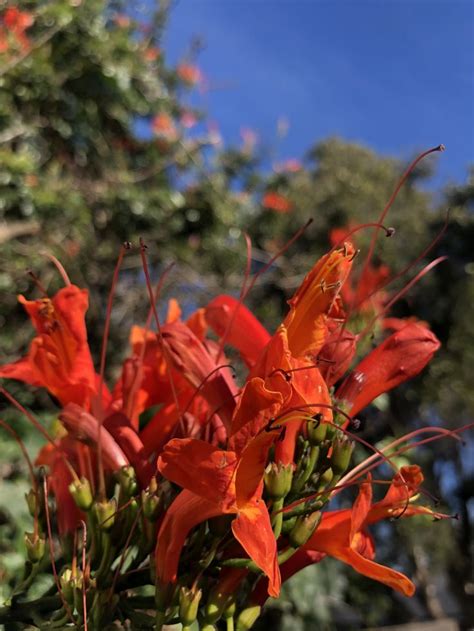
x: 191, y: 123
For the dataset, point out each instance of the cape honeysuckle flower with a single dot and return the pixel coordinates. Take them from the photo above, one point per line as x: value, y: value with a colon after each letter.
x: 343, y: 533
x: 13, y: 24
x: 218, y: 482
x: 316, y: 301
x: 275, y: 201
x: 189, y: 73
x: 59, y: 357
x: 399, y: 358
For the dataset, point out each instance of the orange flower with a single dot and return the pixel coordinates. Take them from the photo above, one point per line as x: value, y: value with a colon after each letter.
x: 229, y: 318
x: 59, y: 358
x: 316, y: 300
x: 218, y: 482
x: 343, y: 534
x: 276, y: 202
x: 189, y: 73
x: 164, y: 127
x: 399, y: 358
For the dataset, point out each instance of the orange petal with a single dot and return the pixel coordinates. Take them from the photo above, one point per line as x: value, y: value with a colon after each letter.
x: 205, y: 470
x: 312, y: 302
x: 227, y: 316
x: 387, y: 576
x: 186, y: 511
x: 253, y: 530
x: 250, y: 467
x: 256, y: 407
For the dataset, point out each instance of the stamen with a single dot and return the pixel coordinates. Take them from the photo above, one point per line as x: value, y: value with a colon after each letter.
x: 242, y: 295
x: 203, y: 383
x: 59, y: 267
x: 164, y: 348
x: 84, y: 573
x: 100, y: 412
x: 393, y: 197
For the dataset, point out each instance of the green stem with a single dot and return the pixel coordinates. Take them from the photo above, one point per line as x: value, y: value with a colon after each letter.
x: 286, y: 554
x: 230, y: 623
x: 244, y: 563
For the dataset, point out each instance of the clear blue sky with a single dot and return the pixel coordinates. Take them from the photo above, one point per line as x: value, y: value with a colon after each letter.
x: 396, y: 75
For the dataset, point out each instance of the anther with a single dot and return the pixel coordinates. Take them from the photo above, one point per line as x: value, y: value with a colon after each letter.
x: 389, y: 232
x: 127, y: 245
x: 356, y: 253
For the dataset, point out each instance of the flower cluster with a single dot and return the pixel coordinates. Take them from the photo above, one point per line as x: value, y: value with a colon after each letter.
x: 13, y: 26
x: 212, y: 489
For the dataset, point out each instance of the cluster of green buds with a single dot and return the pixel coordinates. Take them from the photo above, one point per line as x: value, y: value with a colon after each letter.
x: 119, y: 533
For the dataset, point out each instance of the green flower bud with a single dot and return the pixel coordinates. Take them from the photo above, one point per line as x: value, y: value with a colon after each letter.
x: 303, y: 529
x: 247, y: 618
x: 230, y: 611
x: 82, y: 493
x: 67, y: 585
x: 215, y: 606
x: 35, y: 546
x: 325, y: 478
x: 341, y: 454
x: 316, y: 430
x: 105, y: 513
x: 127, y: 480
x: 152, y: 502
x: 278, y: 478
x: 32, y: 501
x: 188, y: 605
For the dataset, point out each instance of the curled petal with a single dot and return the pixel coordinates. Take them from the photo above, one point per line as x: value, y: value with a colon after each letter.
x: 227, y: 316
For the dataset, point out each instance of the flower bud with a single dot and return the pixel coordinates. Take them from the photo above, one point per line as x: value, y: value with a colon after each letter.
x: 278, y: 478
x: 67, y: 585
x: 215, y: 606
x: 341, y: 454
x: 105, y: 513
x: 316, y: 430
x: 127, y: 480
x: 230, y: 610
x: 82, y: 493
x: 34, y: 502
x: 35, y: 546
x: 304, y: 528
x: 152, y: 503
x: 247, y: 618
x: 188, y: 605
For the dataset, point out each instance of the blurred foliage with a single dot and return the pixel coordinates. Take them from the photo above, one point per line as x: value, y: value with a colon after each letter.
x: 98, y: 144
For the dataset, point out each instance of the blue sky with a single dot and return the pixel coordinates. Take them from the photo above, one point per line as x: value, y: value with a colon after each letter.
x: 396, y: 75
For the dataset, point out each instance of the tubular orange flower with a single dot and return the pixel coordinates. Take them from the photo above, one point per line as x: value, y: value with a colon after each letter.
x: 315, y: 301
x: 59, y: 358
x: 343, y: 534
x: 217, y: 482
x: 399, y: 358
x: 276, y: 202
